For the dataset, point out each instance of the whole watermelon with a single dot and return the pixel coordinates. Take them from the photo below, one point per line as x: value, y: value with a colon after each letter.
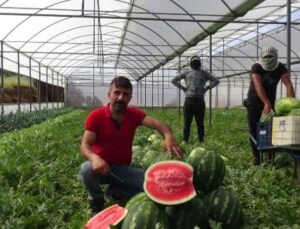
x: 209, y: 169
x: 190, y: 215
x: 294, y: 112
x: 223, y: 207
x: 137, y: 155
x: 284, y: 105
x: 148, y: 158
x: 144, y: 213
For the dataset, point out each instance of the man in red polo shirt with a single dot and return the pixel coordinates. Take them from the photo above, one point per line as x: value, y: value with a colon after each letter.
x: 107, y: 145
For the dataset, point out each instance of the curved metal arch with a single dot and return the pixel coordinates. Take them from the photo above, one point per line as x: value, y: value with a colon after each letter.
x: 69, y: 74
x: 132, y: 66
x: 164, y: 22
x: 261, y: 34
x: 43, y: 29
x: 90, y: 26
x: 95, y: 60
x: 79, y: 63
x: 138, y: 35
x: 183, y: 9
x: 125, y: 67
x: 155, y: 15
x: 235, y: 59
x: 92, y: 54
x: 20, y: 23
x: 87, y: 43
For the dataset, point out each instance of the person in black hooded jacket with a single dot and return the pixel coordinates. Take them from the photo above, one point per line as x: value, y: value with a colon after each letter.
x: 194, y: 88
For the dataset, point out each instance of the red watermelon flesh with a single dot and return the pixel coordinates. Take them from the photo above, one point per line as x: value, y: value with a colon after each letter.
x: 169, y: 182
x: 109, y: 216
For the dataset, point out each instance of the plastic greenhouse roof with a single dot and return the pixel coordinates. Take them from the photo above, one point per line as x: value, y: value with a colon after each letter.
x: 81, y: 38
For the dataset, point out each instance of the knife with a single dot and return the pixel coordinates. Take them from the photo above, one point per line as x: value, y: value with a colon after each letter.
x: 115, y: 176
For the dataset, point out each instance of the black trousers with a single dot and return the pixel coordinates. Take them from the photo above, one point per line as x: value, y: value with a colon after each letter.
x: 254, y: 110
x: 194, y: 107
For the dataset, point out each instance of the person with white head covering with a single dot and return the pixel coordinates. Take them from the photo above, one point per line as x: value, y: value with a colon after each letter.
x: 269, y: 58
x: 264, y: 78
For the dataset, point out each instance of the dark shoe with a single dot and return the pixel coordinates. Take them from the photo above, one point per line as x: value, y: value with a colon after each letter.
x: 120, y: 198
x: 96, y: 206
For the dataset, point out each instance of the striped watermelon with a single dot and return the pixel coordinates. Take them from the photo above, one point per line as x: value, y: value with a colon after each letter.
x: 137, y: 155
x: 209, y: 169
x: 192, y: 214
x: 169, y: 182
x: 148, y: 158
x: 224, y: 207
x: 136, y: 200
x: 144, y: 213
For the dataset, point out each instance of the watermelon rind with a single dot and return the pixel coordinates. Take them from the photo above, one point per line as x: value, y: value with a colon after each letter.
x: 148, y: 158
x: 209, y: 169
x: 192, y: 214
x: 223, y: 206
x: 107, y: 217
x: 145, y: 213
x: 136, y: 200
x: 169, y: 194
x: 294, y: 112
x: 284, y: 105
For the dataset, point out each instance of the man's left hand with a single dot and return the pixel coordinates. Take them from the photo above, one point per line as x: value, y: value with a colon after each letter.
x: 172, y: 148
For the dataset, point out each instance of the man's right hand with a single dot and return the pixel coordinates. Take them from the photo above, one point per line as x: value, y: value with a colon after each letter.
x: 267, y: 108
x: 100, y: 166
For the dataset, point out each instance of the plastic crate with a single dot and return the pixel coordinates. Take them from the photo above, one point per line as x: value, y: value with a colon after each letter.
x: 286, y: 130
x: 264, y: 135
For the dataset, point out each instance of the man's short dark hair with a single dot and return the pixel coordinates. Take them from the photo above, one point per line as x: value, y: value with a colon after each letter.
x: 121, y: 81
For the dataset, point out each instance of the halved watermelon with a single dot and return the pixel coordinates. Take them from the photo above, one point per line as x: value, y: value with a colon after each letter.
x: 169, y: 182
x: 109, y: 216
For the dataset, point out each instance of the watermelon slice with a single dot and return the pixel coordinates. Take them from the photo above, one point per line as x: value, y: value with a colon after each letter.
x: 169, y: 182
x: 106, y: 218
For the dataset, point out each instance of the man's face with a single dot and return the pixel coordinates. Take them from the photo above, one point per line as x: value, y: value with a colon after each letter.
x: 196, y: 64
x: 119, y: 98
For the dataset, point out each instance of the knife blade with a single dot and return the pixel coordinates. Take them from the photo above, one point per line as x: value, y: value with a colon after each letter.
x: 115, y: 176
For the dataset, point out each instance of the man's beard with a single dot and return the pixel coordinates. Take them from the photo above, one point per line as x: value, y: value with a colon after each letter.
x: 119, y: 107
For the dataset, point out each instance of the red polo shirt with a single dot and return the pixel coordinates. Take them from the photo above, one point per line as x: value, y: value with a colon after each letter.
x: 114, y: 142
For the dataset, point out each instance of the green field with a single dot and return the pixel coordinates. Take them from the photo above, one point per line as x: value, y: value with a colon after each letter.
x: 11, y: 80
x: 39, y: 172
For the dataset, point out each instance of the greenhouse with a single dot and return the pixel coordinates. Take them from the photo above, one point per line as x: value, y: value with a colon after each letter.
x: 58, y: 58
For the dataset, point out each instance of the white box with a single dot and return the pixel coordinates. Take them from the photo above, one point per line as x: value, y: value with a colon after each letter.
x: 286, y: 130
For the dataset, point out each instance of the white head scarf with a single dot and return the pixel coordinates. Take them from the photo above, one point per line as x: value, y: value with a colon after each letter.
x: 268, y: 58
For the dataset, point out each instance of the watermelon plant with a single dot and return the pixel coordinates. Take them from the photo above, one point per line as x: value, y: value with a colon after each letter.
x: 40, y: 185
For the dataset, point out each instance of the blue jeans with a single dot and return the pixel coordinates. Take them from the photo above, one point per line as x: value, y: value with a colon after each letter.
x: 133, y: 181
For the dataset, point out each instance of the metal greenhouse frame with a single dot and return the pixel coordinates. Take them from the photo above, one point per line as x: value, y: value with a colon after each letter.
x: 70, y: 49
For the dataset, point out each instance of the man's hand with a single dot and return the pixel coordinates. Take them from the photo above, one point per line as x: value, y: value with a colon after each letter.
x: 267, y: 108
x: 100, y: 166
x: 172, y: 148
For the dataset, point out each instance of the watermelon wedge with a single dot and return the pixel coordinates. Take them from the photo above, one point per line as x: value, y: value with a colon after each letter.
x: 106, y: 218
x: 169, y: 182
